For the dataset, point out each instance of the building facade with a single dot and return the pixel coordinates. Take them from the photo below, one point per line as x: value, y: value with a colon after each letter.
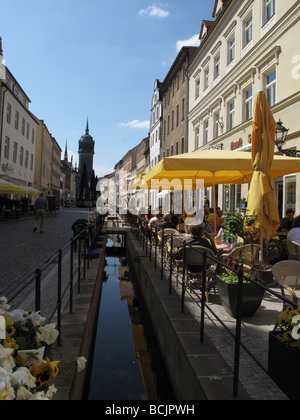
x: 17, y: 133
x: 155, y: 125
x: 249, y: 46
x: 43, y: 158
x: 174, y: 95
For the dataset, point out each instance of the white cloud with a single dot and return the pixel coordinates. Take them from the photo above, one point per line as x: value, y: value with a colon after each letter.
x: 136, y: 124
x: 191, y: 42
x: 154, y: 11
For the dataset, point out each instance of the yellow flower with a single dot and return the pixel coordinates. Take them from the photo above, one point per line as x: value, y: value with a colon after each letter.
x: 9, y: 320
x: 44, y: 372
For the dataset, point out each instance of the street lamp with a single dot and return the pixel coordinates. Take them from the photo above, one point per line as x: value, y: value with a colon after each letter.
x: 280, y: 140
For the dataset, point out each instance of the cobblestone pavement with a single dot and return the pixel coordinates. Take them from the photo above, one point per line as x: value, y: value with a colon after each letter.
x: 22, y: 251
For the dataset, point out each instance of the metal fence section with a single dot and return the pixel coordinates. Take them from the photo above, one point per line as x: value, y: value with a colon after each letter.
x: 155, y: 252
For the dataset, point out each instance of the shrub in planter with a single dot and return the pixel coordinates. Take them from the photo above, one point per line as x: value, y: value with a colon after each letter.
x: 284, y: 352
x: 228, y: 292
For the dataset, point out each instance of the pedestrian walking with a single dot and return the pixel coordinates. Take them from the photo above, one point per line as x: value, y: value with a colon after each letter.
x: 40, y: 208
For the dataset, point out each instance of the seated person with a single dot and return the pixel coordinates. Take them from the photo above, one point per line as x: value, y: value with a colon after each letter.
x: 166, y: 223
x: 219, y: 240
x: 294, y: 233
x: 286, y: 224
x: 198, y: 237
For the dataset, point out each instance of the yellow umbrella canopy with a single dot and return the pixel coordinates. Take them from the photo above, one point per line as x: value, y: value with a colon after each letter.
x: 216, y: 167
x: 262, y: 198
x: 9, y: 188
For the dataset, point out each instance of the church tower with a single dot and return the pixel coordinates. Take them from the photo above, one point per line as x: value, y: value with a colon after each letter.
x: 86, y: 154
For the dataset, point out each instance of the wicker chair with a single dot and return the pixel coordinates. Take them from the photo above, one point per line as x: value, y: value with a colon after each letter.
x: 194, y: 266
x: 287, y: 275
x: 248, y: 252
x: 292, y: 249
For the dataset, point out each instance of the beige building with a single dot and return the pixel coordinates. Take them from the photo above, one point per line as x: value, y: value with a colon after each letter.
x: 249, y: 46
x: 174, y: 96
x: 17, y: 133
x: 43, y: 158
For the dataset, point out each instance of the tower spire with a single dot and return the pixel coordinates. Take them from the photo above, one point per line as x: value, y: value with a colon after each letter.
x: 1, y: 50
x: 66, y: 151
x: 87, y: 126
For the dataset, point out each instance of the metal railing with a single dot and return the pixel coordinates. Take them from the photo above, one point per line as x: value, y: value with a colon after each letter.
x: 82, y: 243
x: 151, y: 246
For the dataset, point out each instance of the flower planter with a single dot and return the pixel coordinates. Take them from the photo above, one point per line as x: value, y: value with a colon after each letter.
x: 252, y: 297
x: 284, y: 366
x: 265, y: 275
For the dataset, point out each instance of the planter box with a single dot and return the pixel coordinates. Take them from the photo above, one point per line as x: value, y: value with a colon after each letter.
x: 252, y: 297
x: 265, y: 275
x: 284, y: 366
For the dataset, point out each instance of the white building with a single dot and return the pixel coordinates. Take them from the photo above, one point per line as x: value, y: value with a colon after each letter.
x: 17, y: 133
x: 155, y: 126
x: 250, y: 46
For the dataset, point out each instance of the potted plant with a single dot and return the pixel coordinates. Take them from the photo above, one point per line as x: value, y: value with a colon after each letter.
x: 284, y: 352
x: 228, y: 291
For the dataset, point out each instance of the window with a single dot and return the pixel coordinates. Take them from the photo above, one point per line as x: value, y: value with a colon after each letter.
x: 182, y: 145
x: 217, y: 66
x: 27, y: 131
x: 248, y: 31
x: 216, y: 125
x: 177, y: 148
x: 231, y: 109
x: 206, y: 78
x: 248, y: 104
x: 21, y: 156
x: 270, y: 9
x: 31, y: 162
x: 231, y: 50
x: 197, y: 92
x: 15, y: 152
x: 173, y: 119
x: 26, y: 159
x: 197, y: 138
x: 8, y: 113
x: 177, y: 115
x: 6, y: 148
x: 183, y: 109
x: 271, y: 88
x: 23, y: 127
x: 17, y: 116
x: 205, y: 132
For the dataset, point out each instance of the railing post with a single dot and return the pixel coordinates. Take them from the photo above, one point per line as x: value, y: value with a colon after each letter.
x: 183, y: 278
x: 171, y: 265
x: 38, y: 275
x: 203, y: 298
x: 238, y: 335
x: 162, y: 254
x: 155, y: 255
x: 59, y: 303
x: 79, y: 263
x: 71, y: 275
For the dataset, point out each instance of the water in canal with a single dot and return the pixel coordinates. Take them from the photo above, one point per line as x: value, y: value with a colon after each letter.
x: 127, y: 364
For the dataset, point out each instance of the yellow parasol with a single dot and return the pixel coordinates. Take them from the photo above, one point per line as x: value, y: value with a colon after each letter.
x: 10, y: 188
x: 262, y: 198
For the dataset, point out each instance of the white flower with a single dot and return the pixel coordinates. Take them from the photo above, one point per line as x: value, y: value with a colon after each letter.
x: 23, y: 377
x: 47, y: 334
x: 81, y: 363
x: 6, y: 390
x: 39, y: 396
x: 32, y: 357
x: 17, y: 315
x: 51, y: 391
x: 6, y: 360
x: 23, y: 394
x: 3, y: 305
x: 36, y: 319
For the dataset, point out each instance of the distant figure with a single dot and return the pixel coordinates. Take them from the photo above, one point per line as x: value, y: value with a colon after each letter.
x: 294, y: 233
x: 286, y: 224
x: 40, y: 209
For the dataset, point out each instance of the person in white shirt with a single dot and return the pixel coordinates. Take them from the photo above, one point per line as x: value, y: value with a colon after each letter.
x: 294, y: 233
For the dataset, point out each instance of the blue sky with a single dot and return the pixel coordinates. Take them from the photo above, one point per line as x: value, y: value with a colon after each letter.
x: 96, y: 59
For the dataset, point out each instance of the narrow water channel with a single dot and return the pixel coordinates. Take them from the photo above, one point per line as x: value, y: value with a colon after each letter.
x: 127, y: 363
